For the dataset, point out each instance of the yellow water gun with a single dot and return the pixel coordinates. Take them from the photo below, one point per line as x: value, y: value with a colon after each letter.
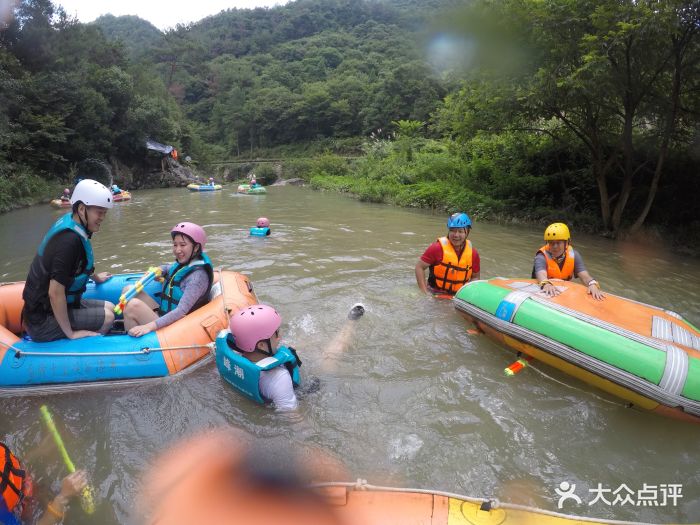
x: 86, y: 496
x: 154, y: 272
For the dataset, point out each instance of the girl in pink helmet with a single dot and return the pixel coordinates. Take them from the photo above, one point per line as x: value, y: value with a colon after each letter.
x: 186, y: 284
x: 251, y: 359
x: 261, y: 228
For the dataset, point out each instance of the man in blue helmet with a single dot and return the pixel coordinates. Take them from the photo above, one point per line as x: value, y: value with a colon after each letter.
x: 452, y: 260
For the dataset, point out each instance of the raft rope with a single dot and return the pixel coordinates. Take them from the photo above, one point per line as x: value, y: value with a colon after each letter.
x: 486, y: 503
x: 144, y: 351
x: 66, y: 388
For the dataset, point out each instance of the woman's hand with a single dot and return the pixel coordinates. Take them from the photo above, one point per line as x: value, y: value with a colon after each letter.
x: 138, y: 331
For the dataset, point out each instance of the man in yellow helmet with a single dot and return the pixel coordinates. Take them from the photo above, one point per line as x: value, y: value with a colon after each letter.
x: 558, y: 260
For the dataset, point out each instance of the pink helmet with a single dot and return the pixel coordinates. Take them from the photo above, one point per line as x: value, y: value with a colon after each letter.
x: 66, y: 191
x: 192, y: 230
x: 255, y: 323
x: 263, y: 222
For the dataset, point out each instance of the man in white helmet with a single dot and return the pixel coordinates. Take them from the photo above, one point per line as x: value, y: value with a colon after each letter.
x: 53, y: 303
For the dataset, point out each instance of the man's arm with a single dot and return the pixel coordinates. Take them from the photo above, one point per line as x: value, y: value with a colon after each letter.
x: 592, y: 284
x: 101, y: 277
x: 421, y: 266
x: 541, y: 275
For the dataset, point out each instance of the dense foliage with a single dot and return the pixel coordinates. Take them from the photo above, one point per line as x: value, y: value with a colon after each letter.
x: 575, y: 110
x: 68, y: 94
x: 614, y: 84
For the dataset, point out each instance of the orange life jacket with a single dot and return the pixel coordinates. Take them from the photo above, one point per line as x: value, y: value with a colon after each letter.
x: 12, y: 478
x: 451, y: 273
x: 566, y: 271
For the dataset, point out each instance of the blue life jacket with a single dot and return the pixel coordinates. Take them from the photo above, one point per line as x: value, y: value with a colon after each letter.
x: 77, y: 287
x: 260, y: 232
x: 244, y: 375
x: 172, y: 292
x: 7, y: 517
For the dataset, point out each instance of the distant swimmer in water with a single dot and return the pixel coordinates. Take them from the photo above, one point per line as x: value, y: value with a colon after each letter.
x: 261, y: 228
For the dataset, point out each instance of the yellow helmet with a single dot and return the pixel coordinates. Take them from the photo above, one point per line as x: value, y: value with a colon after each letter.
x: 557, y: 232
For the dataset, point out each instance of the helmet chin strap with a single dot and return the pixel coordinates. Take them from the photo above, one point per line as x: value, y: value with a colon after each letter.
x: 195, y: 253
x: 269, y: 348
x: 84, y: 224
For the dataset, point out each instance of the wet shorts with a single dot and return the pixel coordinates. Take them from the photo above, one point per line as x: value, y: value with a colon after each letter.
x: 90, y: 316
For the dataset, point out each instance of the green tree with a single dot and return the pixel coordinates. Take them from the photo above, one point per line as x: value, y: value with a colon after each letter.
x: 594, y: 74
x: 406, y: 133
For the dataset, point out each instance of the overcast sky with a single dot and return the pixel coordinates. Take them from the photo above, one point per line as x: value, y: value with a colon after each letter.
x: 160, y: 13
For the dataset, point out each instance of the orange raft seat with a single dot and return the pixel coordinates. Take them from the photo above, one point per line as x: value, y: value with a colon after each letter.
x: 28, y: 367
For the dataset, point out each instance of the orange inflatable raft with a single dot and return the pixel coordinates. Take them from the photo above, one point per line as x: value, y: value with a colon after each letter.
x: 28, y: 367
x: 647, y: 356
x: 373, y: 505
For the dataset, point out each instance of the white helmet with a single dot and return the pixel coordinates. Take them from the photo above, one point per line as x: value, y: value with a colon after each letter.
x: 92, y: 193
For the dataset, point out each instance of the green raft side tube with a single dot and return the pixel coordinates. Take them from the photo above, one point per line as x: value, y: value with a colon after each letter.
x: 691, y: 390
x: 609, y: 347
x: 597, y: 342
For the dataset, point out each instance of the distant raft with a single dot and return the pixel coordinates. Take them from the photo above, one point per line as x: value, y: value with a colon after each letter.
x: 28, y: 367
x: 645, y: 355
x: 60, y: 203
x: 247, y: 189
x: 204, y: 187
x: 122, y: 196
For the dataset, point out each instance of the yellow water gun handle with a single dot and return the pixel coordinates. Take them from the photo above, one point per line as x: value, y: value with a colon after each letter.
x: 87, y: 499
x: 154, y: 272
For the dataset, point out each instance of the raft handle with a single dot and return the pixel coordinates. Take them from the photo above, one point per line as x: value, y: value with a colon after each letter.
x: 486, y: 506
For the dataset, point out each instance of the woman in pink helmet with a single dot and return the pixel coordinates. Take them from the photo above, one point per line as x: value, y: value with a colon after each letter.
x: 254, y: 336
x: 186, y: 284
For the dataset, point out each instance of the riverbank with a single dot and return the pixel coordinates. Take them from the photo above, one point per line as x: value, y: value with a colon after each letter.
x: 446, y: 183
x: 22, y: 189
x: 430, y: 180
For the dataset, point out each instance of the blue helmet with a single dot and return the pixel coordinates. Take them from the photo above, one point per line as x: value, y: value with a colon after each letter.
x: 459, y: 220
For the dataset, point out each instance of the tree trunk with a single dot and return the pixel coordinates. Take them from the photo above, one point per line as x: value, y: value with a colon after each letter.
x: 679, y: 47
x: 173, y: 65
x: 626, y: 191
x: 601, y: 180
